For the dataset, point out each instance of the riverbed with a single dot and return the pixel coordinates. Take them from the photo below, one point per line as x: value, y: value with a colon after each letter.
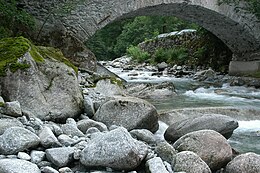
x: 194, y: 94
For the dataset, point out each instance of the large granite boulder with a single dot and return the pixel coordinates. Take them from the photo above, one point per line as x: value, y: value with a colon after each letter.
x: 129, y: 112
x: 244, y: 163
x: 42, y: 80
x: 18, y: 166
x: 223, y: 124
x: 6, y: 123
x: 115, y: 149
x: 17, y: 139
x: 210, y: 145
x: 189, y: 162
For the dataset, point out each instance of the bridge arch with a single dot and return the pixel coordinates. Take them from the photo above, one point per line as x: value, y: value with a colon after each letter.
x: 240, y: 32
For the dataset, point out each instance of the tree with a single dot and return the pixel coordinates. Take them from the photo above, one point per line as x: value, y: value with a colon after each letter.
x: 14, y: 21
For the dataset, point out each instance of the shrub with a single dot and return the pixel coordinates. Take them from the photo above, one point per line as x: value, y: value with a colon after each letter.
x: 137, y: 54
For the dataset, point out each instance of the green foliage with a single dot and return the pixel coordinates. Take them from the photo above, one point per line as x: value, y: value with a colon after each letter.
x: 137, y: 54
x: 113, y: 40
x: 252, y: 6
x: 11, y: 49
x: 14, y: 20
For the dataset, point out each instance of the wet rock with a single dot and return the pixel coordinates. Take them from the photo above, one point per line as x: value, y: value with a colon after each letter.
x: 210, y: 145
x: 23, y: 156
x: 223, y: 124
x: 205, y: 75
x: 60, y: 156
x: 37, y: 156
x: 13, y: 109
x: 115, y: 149
x: 129, y: 112
x: 17, y: 139
x: 155, y: 165
x: 161, y: 66
x: 165, y: 151
x: 48, y: 139
x: 244, y: 163
x: 71, y: 129
x: 17, y: 166
x: 85, y: 124
x: 6, y: 123
x: 189, y: 162
x: 143, y: 135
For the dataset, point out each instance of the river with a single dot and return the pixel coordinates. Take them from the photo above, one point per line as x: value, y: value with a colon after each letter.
x: 194, y: 94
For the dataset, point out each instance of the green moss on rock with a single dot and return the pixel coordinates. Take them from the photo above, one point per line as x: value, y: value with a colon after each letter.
x: 50, y: 52
x: 12, y: 49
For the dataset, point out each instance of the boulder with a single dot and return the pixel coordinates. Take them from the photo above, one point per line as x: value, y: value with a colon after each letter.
x: 110, y: 87
x: 23, y: 156
x: 60, y: 156
x: 129, y: 112
x: 189, y: 162
x: 6, y: 123
x: 85, y: 124
x: 115, y: 149
x: 244, y: 163
x: 17, y: 166
x: 165, y: 151
x: 161, y: 66
x: 155, y: 165
x: 48, y: 169
x: 205, y: 74
x: 45, y: 85
x: 210, y: 145
x: 71, y: 129
x: 223, y: 124
x: 37, y: 156
x: 13, y: 109
x: 89, y: 106
x: 149, y: 90
x: 143, y: 135
x: 47, y: 138
x: 17, y: 139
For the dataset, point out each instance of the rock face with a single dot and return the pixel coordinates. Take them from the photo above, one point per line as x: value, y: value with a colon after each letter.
x: 246, y: 163
x: 189, y: 162
x: 48, y: 89
x: 129, y: 112
x: 115, y: 149
x: 210, y: 145
x: 220, y: 123
x: 17, y: 139
x: 17, y: 166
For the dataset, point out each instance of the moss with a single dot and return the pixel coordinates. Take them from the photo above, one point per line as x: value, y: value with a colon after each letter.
x: 113, y: 80
x: 50, y: 52
x: 11, y: 49
x: 2, y: 104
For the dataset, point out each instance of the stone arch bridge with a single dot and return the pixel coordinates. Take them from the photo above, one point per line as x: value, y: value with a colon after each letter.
x: 239, y: 30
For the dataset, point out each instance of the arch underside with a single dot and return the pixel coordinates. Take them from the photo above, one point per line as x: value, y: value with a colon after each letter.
x: 233, y: 34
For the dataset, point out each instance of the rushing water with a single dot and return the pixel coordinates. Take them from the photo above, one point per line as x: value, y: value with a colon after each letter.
x: 192, y: 94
